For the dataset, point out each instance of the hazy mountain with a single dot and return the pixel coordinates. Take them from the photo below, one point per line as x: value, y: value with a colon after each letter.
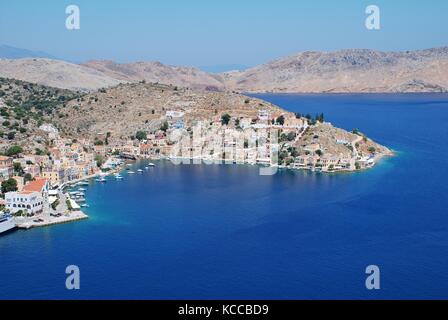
x: 348, y: 71
x: 8, y: 52
x: 341, y: 71
x: 55, y: 73
x: 158, y: 72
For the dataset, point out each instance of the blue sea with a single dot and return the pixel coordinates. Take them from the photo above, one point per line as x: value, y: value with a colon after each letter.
x: 225, y: 232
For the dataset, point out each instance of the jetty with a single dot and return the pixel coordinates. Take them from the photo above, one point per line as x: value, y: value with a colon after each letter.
x: 36, y: 222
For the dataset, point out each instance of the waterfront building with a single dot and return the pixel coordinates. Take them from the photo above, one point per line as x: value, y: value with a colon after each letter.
x: 30, y: 200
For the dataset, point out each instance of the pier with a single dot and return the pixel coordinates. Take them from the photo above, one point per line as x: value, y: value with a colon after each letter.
x: 37, y: 222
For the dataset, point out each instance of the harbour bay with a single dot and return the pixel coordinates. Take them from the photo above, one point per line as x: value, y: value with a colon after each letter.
x: 224, y: 231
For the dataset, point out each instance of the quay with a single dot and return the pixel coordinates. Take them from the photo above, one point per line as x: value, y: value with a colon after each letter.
x: 27, y: 223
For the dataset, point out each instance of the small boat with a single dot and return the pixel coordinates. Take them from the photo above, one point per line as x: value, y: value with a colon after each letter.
x: 151, y: 164
x: 131, y: 172
x: 85, y: 205
x: 80, y: 200
x: 101, y: 180
x: 140, y: 170
x: 82, y: 189
x: 118, y: 176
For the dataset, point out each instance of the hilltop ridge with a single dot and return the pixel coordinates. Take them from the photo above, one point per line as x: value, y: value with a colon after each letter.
x: 344, y: 71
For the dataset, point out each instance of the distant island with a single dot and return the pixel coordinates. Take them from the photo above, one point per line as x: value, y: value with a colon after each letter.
x: 345, y: 71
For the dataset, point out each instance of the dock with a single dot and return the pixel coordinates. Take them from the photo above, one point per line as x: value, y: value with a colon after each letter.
x: 50, y: 221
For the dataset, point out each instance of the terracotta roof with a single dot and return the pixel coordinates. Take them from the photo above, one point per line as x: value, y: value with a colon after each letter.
x: 35, y: 186
x: 3, y: 158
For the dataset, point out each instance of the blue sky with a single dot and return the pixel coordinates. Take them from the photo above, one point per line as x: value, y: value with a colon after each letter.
x: 210, y: 32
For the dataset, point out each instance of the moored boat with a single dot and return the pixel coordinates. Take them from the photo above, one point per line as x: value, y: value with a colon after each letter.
x: 6, y: 223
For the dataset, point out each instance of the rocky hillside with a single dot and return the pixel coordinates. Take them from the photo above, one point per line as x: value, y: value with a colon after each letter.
x: 318, y: 72
x: 24, y: 107
x: 348, y: 71
x: 127, y: 108
x: 54, y: 73
x: 158, y: 72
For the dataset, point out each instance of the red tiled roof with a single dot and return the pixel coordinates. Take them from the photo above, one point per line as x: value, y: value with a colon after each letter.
x: 35, y: 186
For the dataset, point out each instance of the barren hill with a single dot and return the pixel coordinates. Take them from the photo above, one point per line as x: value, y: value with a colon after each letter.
x: 348, y: 71
x: 157, y: 72
x: 127, y: 108
x: 341, y: 71
x: 54, y: 73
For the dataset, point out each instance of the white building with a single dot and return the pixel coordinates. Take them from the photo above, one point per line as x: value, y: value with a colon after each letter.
x: 263, y: 115
x: 30, y: 199
x: 27, y: 201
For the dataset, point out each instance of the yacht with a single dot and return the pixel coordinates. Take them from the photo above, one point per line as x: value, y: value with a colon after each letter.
x: 140, y: 170
x: 6, y: 223
x: 151, y: 164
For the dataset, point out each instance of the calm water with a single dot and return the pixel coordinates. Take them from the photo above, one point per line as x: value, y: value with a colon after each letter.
x: 225, y: 232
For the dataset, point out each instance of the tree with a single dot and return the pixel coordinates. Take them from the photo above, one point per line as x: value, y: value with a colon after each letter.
x: 372, y: 150
x: 99, y: 160
x: 39, y: 152
x: 291, y: 136
x: 98, y: 143
x: 319, y: 153
x: 281, y: 120
x: 164, y: 127
x: 141, y: 135
x: 28, y: 177
x: 9, y: 185
x: 18, y: 168
x: 11, y: 135
x: 225, y: 119
x: 13, y: 151
x: 321, y: 118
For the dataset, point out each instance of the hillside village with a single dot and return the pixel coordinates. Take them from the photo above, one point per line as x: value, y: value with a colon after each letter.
x: 93, y: 134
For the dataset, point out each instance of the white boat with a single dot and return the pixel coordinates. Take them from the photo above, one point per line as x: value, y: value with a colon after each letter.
x: 82, y: 189
x: 85, y: 205
x: 6, y: 223
x: 131, y: 172
x: 140, y: 170
x: 101, y: 179
x: 151, y: 164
